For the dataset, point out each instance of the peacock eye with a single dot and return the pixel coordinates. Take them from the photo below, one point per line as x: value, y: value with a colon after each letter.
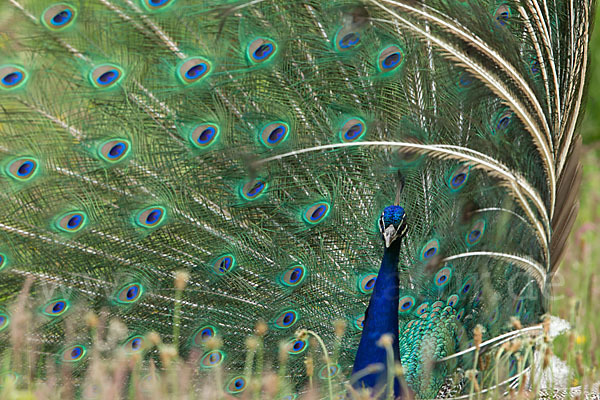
x: 4, y: 321
x: 298, y: 346
x: 204, y: 135
x: 72, y: 221
x: 224, y: 264
x: 130, y: 293
x: 55, y: 308
x: 22, y: 169
x: 3, y: 261
x: 261, y: 50
x: 316, y: 213
x: 204, y: 334
x: 422, y: 308
x: 12, y: 77
x: 106, y: 76
x: 518, y: 306
x: 502, y: 15
x: 353, y: 130
x: 134, y: 344
x: 286, y: 319
x: 390, y: 59
x: 465, y: 80
x: 476, y: 233
x: 458, y: 178
x: 59, y: 16
x: 430, y: 249
x: 193, y: 70
x: 366, y: 283
x: 406, y: 304
x: 236, y: 385
x: 452, y: 300
x: 294, y: 275
x: 460, y: 314
x: 502, y: 121
x: 114, y: 150
x: 73, y: 353
x: 327, y: 372
x: 156, y: 5
x: 442, y: 277
x: 274, y: 134
x: 212, y: 359
x: 151, y: 217
x: 253, y: 189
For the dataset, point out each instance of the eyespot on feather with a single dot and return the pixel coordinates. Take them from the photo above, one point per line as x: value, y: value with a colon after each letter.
x: 56, y: 308
x: 430, y: 249
x: 193, y: 70
x: 224, y: 264
x: 406, y: 304
x: 298, y: 346
x: 346, y: 39
x: 204, y: 334
x: 390, y: 59
x: 261, y: 50
x: 4, y: 321
x: 274, y: 134
x: 236, y: 385
x: 156, y: 5
x: 286, y: 319
x: 134, y: 344
x: 294, y: 275
x: 327, y: 372
x: 316, y: 213
x: 353, y: 130
x: 442, y: 277
x: 366, y: 283
x: 204, y: 135
x: 359, y: 322
x: 59, y: 16
x: 129, y: 293
x: 475, y: 235
x: 458, y: 178
x: 502, y: 15
x: 106, y: 76
x: 22, y: 169
x: 12, y: 77
x: 212, y: 359
x: 253, y: 189
x: 151, y: 217
x: 452, y: 300
x: 114, y: 150
x: 73, y: 354
x: 72, y: 222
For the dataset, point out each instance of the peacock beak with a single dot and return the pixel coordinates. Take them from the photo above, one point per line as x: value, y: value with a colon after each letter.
x: 389, y: 235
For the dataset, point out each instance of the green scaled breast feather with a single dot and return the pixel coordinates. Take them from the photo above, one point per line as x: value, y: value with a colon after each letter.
x: 194, y: 189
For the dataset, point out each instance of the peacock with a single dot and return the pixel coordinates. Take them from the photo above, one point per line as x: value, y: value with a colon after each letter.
x: 375, y: 189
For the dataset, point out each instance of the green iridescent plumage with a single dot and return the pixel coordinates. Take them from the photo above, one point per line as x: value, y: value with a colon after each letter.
x: 254, y: 145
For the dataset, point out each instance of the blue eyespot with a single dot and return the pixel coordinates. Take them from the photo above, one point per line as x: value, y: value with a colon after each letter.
x: 253, y: 189
x: 430, y: 249
x: 465, y: 80
x: 316, y: 213
x: 406, y: 303
x: 156, y: 5
x: 502, y: 121
x: 212, y: 359
x: 12, y: 77
x: 452, y: 300
x: 129, y: 293
x: 366, y: 283
x: 352, y: 130
x: 286, y: 319
x: 204, y: 135
x: 4, y: 321
x: 22, y: 169
x: 59, y: 16
x: 390, y: 59
x: 204, y: 334
x: 55, y: 308
x: 359, y: 322
x: 294, y: 275
x: 346, y: 40
x: 73, y: 354
x: 422, y: 308
x: 151, y: 217
x: 134, y: 344
x: 274, y: 134
x: 114, y: 150
x: 502, y: 15
x: 261, y: 50
x: 193, y: 70
x: 458, y: 178
x: 467, y: 286
x: 442, y: 277
x: 72, y: 221
x: 534, y: 67
x: 106, y: 76
x: 475, y: 235
x: 460, y: 314
x: 224, y: 264
x: 518, y: 306
x: 329, y: 372
x: 236, y: 385
x: 298, y: 346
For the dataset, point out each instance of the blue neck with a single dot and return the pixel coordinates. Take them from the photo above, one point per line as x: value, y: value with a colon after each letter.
x: 381, y: 317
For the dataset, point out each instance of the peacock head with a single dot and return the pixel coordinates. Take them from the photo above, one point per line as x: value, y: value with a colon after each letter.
x: 392, y: 224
